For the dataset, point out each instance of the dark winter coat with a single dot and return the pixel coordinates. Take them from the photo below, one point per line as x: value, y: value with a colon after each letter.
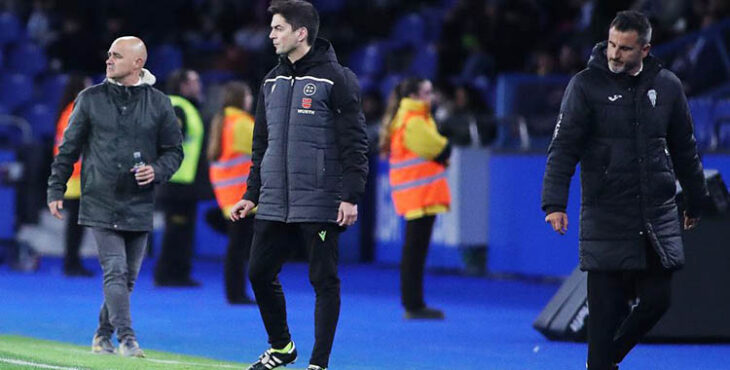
x: 632, y: 136
x: 108, y: 124
x: 309, y: 141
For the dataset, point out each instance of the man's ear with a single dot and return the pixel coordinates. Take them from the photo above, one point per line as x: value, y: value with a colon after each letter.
x: 645, y: 50
x: 302, y: 34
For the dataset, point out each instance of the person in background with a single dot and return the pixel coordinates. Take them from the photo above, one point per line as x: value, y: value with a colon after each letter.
x: 229, y: 154
x: 179, y: 197
x: 72, y: 265
x: 418, y: 156
x: 130, y: 140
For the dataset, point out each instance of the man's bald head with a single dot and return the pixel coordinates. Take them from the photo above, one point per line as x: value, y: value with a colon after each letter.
x: 134, y: 46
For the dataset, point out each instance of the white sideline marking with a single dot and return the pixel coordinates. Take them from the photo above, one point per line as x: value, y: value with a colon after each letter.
x: 35, y: 364
x: 173, y: 362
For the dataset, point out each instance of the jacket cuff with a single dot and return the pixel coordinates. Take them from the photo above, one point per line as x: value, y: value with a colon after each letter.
x: 551, y: 209
x: 444, y: 155
x: 251, y: 195
x: 53, y: 195
x: 350, y: 198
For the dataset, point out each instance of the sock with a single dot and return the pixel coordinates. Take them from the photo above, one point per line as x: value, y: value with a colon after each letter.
x: 286, y: 349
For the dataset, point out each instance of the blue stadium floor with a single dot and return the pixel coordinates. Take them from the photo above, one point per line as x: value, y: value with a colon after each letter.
x: 488, y: 323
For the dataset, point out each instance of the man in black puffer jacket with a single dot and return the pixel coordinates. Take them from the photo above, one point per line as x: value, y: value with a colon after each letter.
x: 115, y: 126
x: 626, y: 120
x: 309, y: 169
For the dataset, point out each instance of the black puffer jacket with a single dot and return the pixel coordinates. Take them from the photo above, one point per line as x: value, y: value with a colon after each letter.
x: 309, y: 141
x: 108, y: 124
x: 632, y: 136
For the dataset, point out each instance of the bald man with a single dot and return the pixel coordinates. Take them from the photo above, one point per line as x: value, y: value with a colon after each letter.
x: 128, y: 135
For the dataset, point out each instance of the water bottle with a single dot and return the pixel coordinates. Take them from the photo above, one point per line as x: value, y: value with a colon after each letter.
x: 138, y: 163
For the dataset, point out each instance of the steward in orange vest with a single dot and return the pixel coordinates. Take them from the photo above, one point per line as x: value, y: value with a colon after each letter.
x: 417, y: 155
x: 418, y: 182
x: 228, y: 174
x: 73, y: 186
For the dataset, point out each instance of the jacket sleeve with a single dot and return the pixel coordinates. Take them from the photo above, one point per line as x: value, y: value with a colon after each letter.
x: 424, y: 140
x: 683, y: 151
x: 258, y: 147
x: 74, y: 140
x: 169, y: 144
x: 565, y: 148
x: 352, y: 139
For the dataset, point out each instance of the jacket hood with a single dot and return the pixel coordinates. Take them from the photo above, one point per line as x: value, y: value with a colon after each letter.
x: 146, y: 78
x: 321, y: 52
x: 598, y: 60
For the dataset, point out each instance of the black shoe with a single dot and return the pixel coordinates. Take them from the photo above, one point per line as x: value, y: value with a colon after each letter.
x: 242, y: 300
x: 77, y: 270
x: 188, y: 282
x: 425, y: 313
x: 271, y: 360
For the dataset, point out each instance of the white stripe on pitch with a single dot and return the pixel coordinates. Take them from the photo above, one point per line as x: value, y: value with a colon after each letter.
x: 35, y: 364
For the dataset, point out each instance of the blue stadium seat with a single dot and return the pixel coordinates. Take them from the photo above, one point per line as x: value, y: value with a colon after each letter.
x: 164, y: 59
x: 27, y: 58
x: 433, y: 18
x: 17, y: 89
x: 721, y: 120
x: 1, y: 59
x: 52, y: 88
x: 409, y: 30
x: 387, y: 85
x: 42, y: 119
x: 425, y: 62
x: 701, y: 110
x: 367, y: 84
x: 10, y: 28
x: 368, y: 60
x: 4, y: 109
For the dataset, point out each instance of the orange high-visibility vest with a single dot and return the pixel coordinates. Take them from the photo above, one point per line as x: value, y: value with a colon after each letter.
x: 229, y: 173
x: 416, y: 183
x: 73, y: 186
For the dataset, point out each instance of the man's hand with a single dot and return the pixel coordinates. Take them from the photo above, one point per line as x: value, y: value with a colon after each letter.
x: 144, y: 175
x: 559, y: 222
x: 689, y: 222
x: 347, y: 214
x: 241, y: 209
x: 55, y: 206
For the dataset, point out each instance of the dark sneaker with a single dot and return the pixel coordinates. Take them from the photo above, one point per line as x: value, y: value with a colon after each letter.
x: 315, y: 367
x: 177, y: 283
x: 130, y: 348
x: 271, y: 359
x: 425, y: 313
x: 102, y: 345
x: 242, y: 300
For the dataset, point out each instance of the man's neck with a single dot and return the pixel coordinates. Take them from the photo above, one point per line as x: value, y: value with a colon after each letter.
x: 638, y: 70
x: 133, y: 79
x: 298, y: 53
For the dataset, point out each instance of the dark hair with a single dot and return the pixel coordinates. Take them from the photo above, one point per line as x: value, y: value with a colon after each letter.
x: 234, y: 93
x: 631, y: 20
x: 405, y: 88
x: 74, y: 85
x: 298, y: 14
x: 175, y: 79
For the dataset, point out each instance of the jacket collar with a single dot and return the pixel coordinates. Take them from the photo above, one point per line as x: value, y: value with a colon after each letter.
x: 598, y: 60
x: 414, y: 105
x: 321, y: 52
x: 145, y: 78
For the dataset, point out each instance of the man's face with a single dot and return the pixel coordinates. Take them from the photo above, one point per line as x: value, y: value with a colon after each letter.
x: 191, y: 87
x: 625, y: 52
x: 284, y: 38
x: 120, y: 61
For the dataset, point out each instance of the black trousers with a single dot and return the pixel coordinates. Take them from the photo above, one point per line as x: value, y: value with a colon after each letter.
x: 175, y: 262
x: 272, y: 244
x: 240, y: 234
x: 614, y: 328
x: 74, y: 234
x: 413, y: 261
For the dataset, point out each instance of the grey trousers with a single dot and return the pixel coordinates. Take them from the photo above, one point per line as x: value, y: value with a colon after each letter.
x: 120, y: 256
